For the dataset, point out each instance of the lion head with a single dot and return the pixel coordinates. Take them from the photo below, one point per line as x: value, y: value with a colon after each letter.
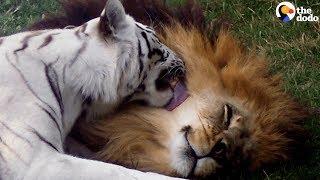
x: 237, y: 115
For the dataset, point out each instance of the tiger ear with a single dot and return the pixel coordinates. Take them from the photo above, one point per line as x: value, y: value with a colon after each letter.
x: 113, y: 17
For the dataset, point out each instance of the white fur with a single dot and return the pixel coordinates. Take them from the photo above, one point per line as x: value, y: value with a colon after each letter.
x: 97, y: 72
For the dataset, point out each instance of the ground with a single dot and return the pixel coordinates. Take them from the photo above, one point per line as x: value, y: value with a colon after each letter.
x: 292, y: 48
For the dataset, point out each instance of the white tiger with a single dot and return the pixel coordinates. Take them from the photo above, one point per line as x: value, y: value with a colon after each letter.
x: 49, y: 77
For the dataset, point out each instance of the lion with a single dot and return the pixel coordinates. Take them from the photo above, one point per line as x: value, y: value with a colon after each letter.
x: 237, y: 114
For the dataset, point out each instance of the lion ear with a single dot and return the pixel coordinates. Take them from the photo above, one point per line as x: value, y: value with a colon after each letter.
x: 113, y: 17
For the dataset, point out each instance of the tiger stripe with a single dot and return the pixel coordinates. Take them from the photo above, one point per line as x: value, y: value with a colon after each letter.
x: 15, y: 133
x: 25, y: 41
x: 28, y: 85
x: 51, y: 116
x: 140, y: 58
x: 53, y: 80
x: 2, y: 158
x: 83, y: 29
x: 47, y: 40
x: 144, y: 35
x: 78, y: 53
x: 77, y: 33
x: 147, y: 29
x: 44, y: 140
x: 64, y: 70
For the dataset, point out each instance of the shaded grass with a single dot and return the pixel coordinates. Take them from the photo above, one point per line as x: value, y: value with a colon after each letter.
x: 293, y: 50
x: 17, y: 14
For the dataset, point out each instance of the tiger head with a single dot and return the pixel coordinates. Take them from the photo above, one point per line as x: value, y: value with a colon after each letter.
x: 155, y: 69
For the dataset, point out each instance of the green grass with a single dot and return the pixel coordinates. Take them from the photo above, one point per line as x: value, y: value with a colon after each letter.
x: 293, y: 50
x: 15, y: 15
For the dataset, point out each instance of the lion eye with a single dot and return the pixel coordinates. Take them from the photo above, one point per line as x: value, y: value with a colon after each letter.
x: 218, y: 149
x: 228, y: 113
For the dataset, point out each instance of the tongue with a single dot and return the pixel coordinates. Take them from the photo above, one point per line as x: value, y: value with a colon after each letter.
x: 180, y: 94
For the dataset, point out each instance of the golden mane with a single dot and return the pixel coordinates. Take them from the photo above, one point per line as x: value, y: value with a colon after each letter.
x: 278, y: 126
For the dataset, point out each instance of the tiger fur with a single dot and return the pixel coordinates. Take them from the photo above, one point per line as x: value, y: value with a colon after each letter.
x: 49, y: 77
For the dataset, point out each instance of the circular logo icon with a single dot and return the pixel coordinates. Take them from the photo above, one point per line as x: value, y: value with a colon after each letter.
x: 285, y: 11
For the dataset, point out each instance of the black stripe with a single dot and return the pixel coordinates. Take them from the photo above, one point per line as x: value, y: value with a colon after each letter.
x: 28, y: 85
x: 128, y: 98
x: 144, y: 35
x: 77, y: 33
x: 141, y: 66
x: 161, y: 54
x: 145, y: 29
x: 64, y: 74
x: 120, y: 81
x: 24, y: 46
x: 13, y: 132
x: 80, y: 50
x: 3, y: 159
x: 153, y: 51
x: 139, y: 48
x: 148, y: 27
x: 47, y: 40
x: 25, y: 41
x: 51, y: 117
x: 83, y: 29
x: 142, y: 87
x: 53, y: 81
x: 43, y: 139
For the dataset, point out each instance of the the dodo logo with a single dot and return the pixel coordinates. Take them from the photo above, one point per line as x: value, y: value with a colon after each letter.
x: 285, y: 11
